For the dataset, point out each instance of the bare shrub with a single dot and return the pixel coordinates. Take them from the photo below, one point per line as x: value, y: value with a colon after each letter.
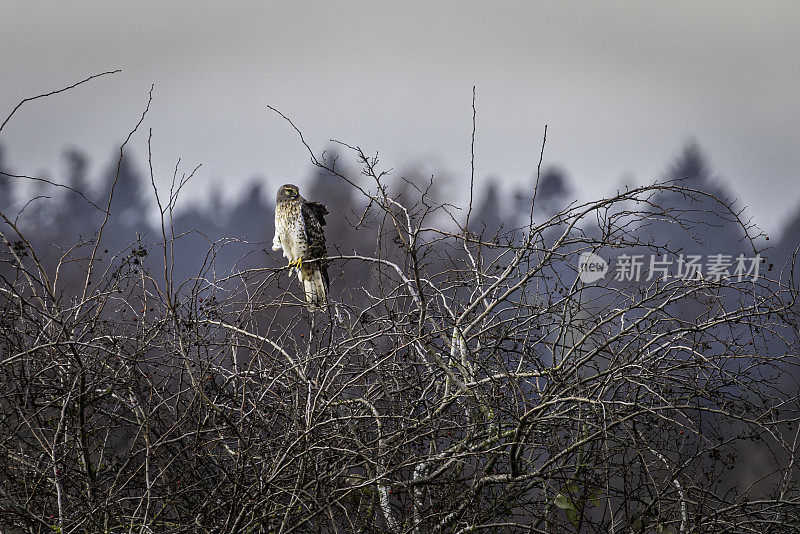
x: 464, y: 381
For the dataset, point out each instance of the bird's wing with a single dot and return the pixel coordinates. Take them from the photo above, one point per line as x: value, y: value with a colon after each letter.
x: 318, y: 210
x: 313, y: 214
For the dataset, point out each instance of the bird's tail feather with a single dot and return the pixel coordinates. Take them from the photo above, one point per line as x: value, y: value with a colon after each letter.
x: 315, y: 290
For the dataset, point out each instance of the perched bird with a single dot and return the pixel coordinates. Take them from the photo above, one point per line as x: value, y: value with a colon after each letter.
x: 298, y: 231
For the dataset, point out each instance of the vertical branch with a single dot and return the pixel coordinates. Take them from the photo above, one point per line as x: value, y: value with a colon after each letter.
x: 471, y: 163
x: 93, y: 256
x: 538, y: 175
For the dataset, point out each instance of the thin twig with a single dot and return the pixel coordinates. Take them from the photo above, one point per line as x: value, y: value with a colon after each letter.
x: 29, y: 99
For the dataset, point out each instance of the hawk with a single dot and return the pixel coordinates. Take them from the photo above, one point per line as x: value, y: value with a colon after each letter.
x: 298, y: 231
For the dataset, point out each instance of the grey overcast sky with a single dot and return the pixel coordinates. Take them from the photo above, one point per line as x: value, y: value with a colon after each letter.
x: 622, y: 86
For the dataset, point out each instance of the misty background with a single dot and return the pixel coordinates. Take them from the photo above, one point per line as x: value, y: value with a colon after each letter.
x: 622, y: 87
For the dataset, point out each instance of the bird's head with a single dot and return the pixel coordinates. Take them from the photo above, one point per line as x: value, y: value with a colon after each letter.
x: 288, y: 192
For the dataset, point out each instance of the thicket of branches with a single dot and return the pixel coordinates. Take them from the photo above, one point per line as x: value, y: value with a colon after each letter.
x: 464, y: 379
